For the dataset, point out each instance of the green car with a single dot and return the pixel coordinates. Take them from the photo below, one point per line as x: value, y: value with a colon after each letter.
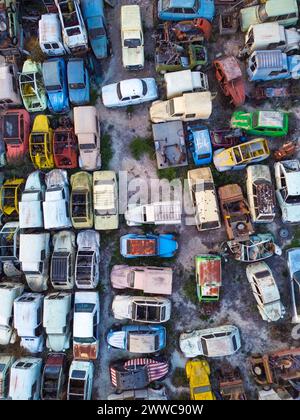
x: 266, y: 123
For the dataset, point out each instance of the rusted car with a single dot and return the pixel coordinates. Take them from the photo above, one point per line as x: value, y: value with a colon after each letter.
x: 279, y: 367
x: 190, y: 31
x: 53, y: 377
x: 16, y: 130
x: 230, y: 78
x: 65, y: 149
x: 231, y: 385
x: 225, y: 138
x: 208, y: 277
x: 137, y: 373
x: 236, y: 213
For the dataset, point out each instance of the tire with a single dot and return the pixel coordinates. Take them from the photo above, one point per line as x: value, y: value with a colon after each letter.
x: 296, y: 332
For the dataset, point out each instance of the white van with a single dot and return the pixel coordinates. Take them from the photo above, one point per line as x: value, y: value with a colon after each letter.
x: 34, y: 258
x: 25, y: 379
x: 28, y: 321
x: 87, y: 130
x: 9, y: 87
x: 132, y: 37
x: 57, y: 318
x: 9, y: 291
x: 50, y: 36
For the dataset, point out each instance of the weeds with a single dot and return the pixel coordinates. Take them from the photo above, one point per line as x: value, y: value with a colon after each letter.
x: 106, y: 151
x: 179, y: 378
x: 189, y: 290
x: 94, y: 95
x: 167, y: 173
x: 140, y: 147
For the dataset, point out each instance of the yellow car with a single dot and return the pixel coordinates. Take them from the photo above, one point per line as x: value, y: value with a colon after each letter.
x: 10, y: 194
x: 241, y: 155
x: 41, y: 143
x: 81, y: 201
x: 198, y: 371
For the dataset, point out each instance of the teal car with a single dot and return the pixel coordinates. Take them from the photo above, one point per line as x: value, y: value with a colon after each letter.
x: 134, y: 245
x: 78, y: 82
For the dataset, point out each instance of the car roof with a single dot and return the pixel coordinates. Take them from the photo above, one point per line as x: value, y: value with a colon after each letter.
x: 182, y: 3
x: 75, y: 70
x: 131, y: 87
x: 51, y: 73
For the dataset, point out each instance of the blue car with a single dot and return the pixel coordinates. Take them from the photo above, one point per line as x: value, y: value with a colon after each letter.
x: 134, y: 245
x: 200, y: 146
x: 55, y: 80
x: 186, y: 9
x: 78, y: 81
x: 138, y: 339
x: 93, y: 14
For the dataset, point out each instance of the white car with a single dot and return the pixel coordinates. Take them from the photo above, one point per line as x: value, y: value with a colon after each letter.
x: 86, y: 326
x: 151, y: 310
x: 30, y: 206
x: 129, y: 92
x: 211, y: 342
x: 265, y: 291
x: 9, y: 291
x: 287, y: 175
x: 106, y: 203
x: 80, y: 382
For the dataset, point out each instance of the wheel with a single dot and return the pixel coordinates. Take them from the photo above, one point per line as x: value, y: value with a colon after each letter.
x: 296, y: 332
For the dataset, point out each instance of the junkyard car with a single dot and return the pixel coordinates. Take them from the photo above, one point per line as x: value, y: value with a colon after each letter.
x: 287, y: 175
x: 34, y: 258
x: 56, y: 204
x: 238, y: 157
x: 137, y: 373
x: 41, y: 143
x: 28, y: 321
x: 10, y: 26
x: 132, y: 37
x: 80, y: 382
x: 204, y: 199
x: 230, y: 78
x: 62, y: 267
x: 30, y: 206
x: 16, y: 130
x: 6, y: 362
x: 185, y: 9
x: 25, y: 379
x: 138, y: 339
x: 142, y: 309
x: 55, y: 79
x: 9, y: 249
x: 93, y: 15
x: 73, y: 27
x: 32, y: 88
x: 78, y: 82
x: 9, y: 90
x: 10, y: 195
x: 224, y: 138
x: 129, y: 92
x: 198, y: 372
x: 265, y: 291
x: 106, y: 205
x: 50, y: 36
x: 157, y: 393
x: 208, y: 277
x: 188, y: 107
x: 81, y: 207
x: 147, y: 279
x: 179, y: 82
x: 134, y: 245
x: 200, y: 146
x: 157, y: 213
x: 235, y: 211
x: 87, y: 259
x: 57, y: 320
x: 53, y: 377
x: 86, y: 325
x: 268, y: 123
x: 65, y: 148
x: 9, y: 291
x: 293, y: 260
x: 87, y: 130
x: 258, y: 247
x: 211, y: 342
x: 286, y: 13
x: 260, y: 193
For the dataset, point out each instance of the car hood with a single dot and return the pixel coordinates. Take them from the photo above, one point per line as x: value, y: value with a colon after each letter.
x: 273, y: 311
x: 58, y: 102
x: 294, y: 260
x: 121, y: 307
x: 36, y: 282
x: 190, y: 345
x: 106, y: 222
x: 100, y: 46
x: 159, y: 111
x: 119, y: 277
x: 167, y: 246
x: 222, y: 159
x: 133, y: 56
x: 109, y: 95
x: 58, y: 342
x: 291, y: 213
x: 248, y: 17
x: 79, y: 96
x: 5, y: 335
x: 85, y: 351
x: 117, y: 339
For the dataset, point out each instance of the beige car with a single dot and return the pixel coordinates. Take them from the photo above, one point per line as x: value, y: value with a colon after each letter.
x: 81, y: 200
x: 147, y: 279
x: 204, y: 199
x: 106, y: 209
x: 188, y: 107
x: 132, y: 37
x: 87, y: 130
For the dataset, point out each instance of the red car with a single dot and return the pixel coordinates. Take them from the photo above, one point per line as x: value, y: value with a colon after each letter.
x: 16, y: 131
x: 65, y: 148
x: 226, y: 138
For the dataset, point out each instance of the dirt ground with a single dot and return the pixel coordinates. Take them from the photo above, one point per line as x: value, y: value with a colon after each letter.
x: 237, y: 305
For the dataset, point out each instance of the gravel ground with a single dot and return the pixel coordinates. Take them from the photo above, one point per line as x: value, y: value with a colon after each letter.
x: 237, y: 305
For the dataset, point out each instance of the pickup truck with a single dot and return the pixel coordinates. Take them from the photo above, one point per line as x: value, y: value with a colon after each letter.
x: 159, y: 213
x: 30, y: 206
x: 134, y: 245
x: 132, y: 37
